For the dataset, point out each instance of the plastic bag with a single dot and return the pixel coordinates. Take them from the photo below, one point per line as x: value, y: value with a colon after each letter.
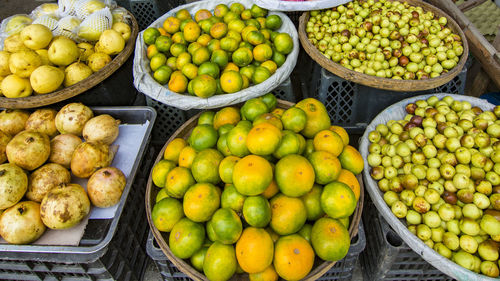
x: 397, y: 112
x: 66, y: 8
x: 68, y: 26
x: 289, y: 6
x: 144, y: 82
x: 92, y: 27
x: 47, y: 9
x: 14, y: 24
x: 48, y: 21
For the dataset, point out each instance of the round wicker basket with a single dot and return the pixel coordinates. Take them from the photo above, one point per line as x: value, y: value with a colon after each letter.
x: 320, y: 267
x: 82, y: 86
x: 387, y: 83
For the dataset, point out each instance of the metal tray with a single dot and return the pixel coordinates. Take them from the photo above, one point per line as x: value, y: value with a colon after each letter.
x: 98, y: 232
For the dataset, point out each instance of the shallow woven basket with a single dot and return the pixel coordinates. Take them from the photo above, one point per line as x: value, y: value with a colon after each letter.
x: 387, y: 83
x: 320, y: 267
x: 82, y: 86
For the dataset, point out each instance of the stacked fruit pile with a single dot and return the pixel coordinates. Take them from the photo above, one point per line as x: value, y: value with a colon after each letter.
x: 44, y: 56
x: 440, y: 169
x: 260, y: 189
x: 388, y: 39
x: 217, y: 54
x: 40, y: 148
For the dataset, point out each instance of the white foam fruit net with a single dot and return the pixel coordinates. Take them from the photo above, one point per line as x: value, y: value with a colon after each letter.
x: 47, y: 9
x: 66, y: 7
x: 48, y: 21
x: 14, y: 24
x: 92, y: 27
x: 68, y: 26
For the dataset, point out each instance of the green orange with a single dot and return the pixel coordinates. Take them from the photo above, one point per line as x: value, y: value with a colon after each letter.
x: 204, y: 86
x: 338, y: 200
x: 252, y: 175
x: 257, y: 211
x: 186, y: 238
x: 220, y: 262
x: 326, y: 166
x: 242, y: 57
x: 252, y: 108
x: 226, y: 168
x: 179, y: 179
x: 294, y: 119
x: 232, y: 199
x: 166, y: 213
x: 227, y: 225
x: 312, y: 202
x: 288, y: 214
x: 202, y: 137
x: 231, y: 81
x: 294, y: 175
x: 263, y: 139
x: 330, y: 239
x: 205, y: 167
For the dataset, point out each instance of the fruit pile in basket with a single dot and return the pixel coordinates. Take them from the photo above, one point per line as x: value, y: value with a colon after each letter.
x: 261, y: 190
x: 388, y: 39
x: 440, y: 169
x: 219, y: 53
x: 59, y: 46
x: 35, y: 185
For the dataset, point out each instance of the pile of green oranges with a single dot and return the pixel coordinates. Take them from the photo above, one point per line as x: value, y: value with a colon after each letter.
x: 258, y: 190
x: 217, y: 53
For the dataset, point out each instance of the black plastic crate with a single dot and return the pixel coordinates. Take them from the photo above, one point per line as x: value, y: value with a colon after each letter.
x: 354, y: 105
x: 387, y: 257
x: 124, y: 259
x: 341, y: 271
x: 147, y: 11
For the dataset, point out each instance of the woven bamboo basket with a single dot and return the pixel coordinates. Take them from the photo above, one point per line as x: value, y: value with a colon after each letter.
x: 387, y: 83
x: 82, y: 86
x: 320, y: 266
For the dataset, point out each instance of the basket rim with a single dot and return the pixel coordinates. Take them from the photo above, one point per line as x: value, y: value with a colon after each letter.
x: 81, y: 87
x: 387, y: 83
x: 186, y: 268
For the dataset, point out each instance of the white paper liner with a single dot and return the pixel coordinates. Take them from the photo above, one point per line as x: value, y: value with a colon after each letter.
x: 397, y: 112
x: 144, y: 82
x: 290, y: 6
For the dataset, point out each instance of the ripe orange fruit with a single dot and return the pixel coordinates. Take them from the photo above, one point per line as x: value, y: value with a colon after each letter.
x: 227, y: 225
x: 245, y: 31
x: 351, y: 160
x: 327, y: 140
x: 231, y: 81
x: 178, y: 82
x: 218, y: 30
x: 338, y: 200
x: 190, y: 71
x: 200, y: 202
x: 255, y: 37
x: 179, y: 179
x: 268, y: 118
x: 263, y: 139
x: 186, y: 157
x: 326, y: 166
x: 204, y: 39
x: 270, y: 65
x: 330, y: 239
x: 201, y: 55
x: 221, y: 10
x: 317, y: 117
x: 288, y: 214
x: 252, y: 175
x: 342, y: 133
x: 293, y: 257
x: 166, y: 213
x: 191, y: 31
x: 227, y: 115
x: 186, y: 238
x: 254, y: 250
x: 269, y: 274
x: 283, y: 43
x: 202, y: 14
x: 237, y: 139
x: 231, y: 67
x: 271, y: 190
x: 183, y: 14
x: 312, y: 203
x: 171, y: 25
x: 173, y: 150
x: 262, y: 52
x: 294, y: 175
x: 350, y: 179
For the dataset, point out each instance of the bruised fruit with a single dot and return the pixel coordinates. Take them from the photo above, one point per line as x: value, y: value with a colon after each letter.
x: 21, y: 223
x: 43, y: 121
x: 101, y: 129
x: 62, y: 148
x: 72, y: 118
x: 105, y: 187
x: 28, y: 149
x: 45, y: 178
x: 64, y: 206
x: 13, y: 121
x: 13, y: 185
x: 89, y: 157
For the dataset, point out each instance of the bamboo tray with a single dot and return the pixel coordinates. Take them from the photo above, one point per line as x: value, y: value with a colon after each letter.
x: 387, y: 83
x: 320, y: 267
x: 82, y: 86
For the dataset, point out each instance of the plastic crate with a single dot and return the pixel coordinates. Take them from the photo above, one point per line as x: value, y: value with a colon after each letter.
x: 169, y: 118
x: 341, y: 271
x: 125, y: 258
x: 388, y: 258
x: 354, y: 105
